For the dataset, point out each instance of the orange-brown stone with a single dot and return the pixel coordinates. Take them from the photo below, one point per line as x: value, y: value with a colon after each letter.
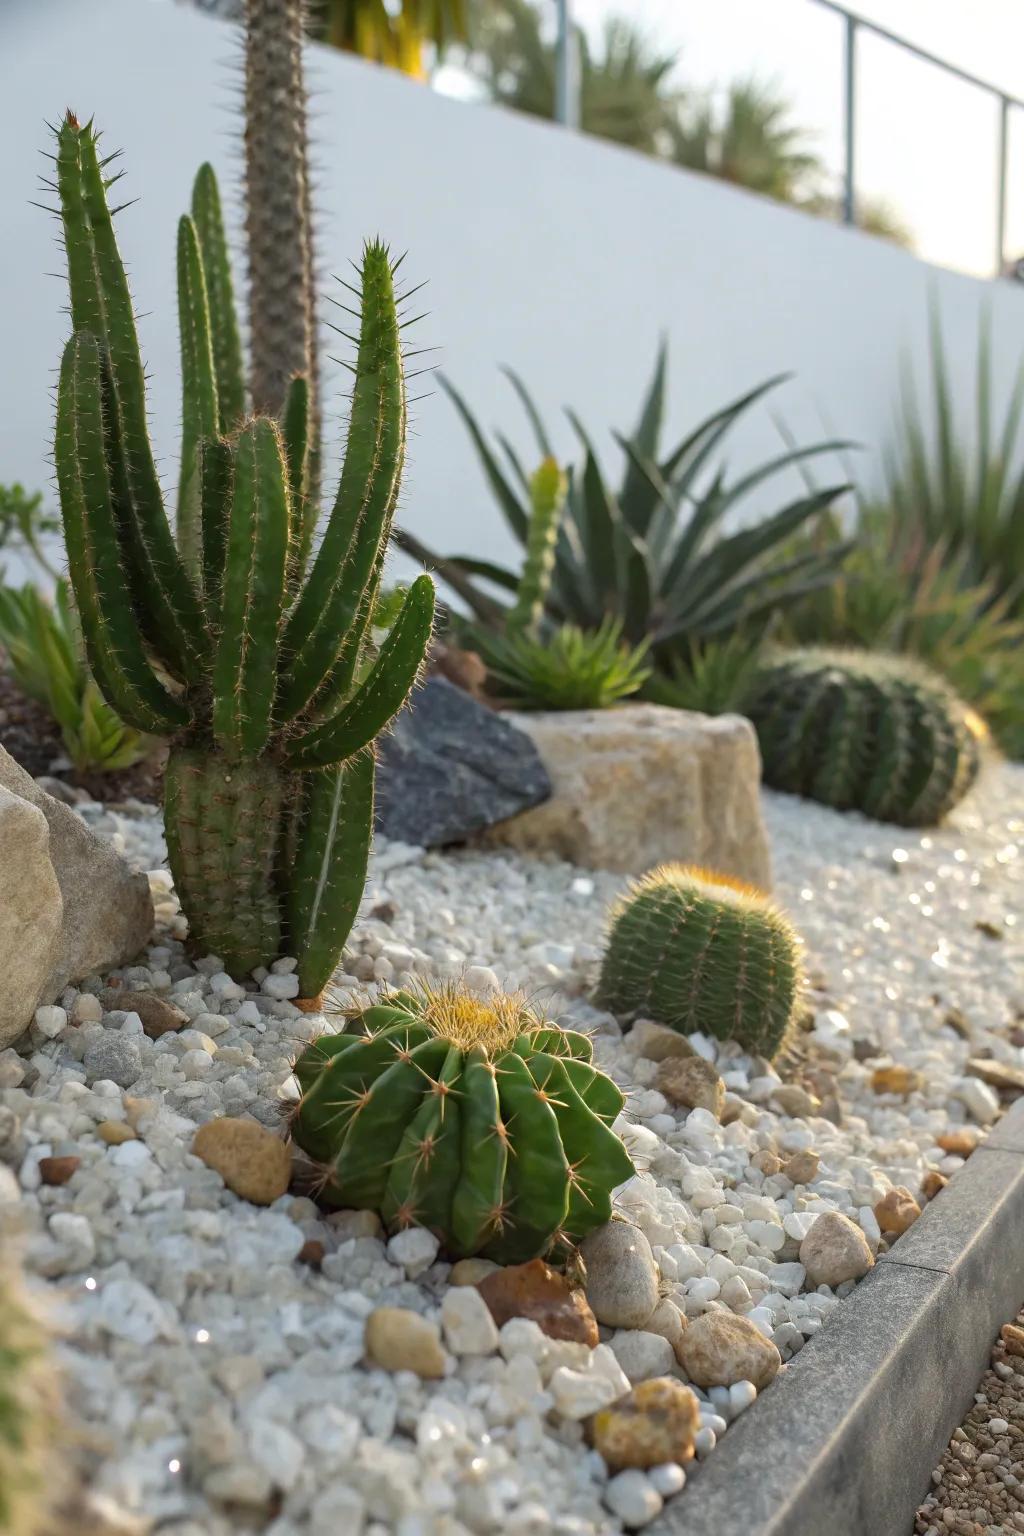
x: 537, y: 1291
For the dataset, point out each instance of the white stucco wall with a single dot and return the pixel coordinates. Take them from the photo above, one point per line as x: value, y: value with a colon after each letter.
x: 557, y: 254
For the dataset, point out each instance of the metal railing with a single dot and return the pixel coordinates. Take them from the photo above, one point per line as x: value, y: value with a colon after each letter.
x: 567, y: 104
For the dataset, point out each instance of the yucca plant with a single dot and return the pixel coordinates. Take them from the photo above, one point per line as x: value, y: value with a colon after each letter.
x: 248, y: 654
x: 652, y: 555
x: 43, y: 650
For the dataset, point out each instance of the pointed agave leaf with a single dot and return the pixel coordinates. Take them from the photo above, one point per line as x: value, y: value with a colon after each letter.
x: 244, y: 667
x: 533, y: 415
x: 328, y: 873
x: 167, y: 603
x: 227, y: 344
x: 95, y: 558
x: 379, y: 698
x: 199, y: 414
x: 636, y: 499
x: 346, y: 571
x: 513, y: 510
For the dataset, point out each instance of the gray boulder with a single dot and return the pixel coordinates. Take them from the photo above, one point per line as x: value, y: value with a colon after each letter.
x: 452, y: 767
x: 74, y: 900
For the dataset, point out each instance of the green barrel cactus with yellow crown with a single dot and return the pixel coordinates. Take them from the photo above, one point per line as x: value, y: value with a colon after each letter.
x: 468, y: 1115
x: 873, y: 733
x: 700, y: 951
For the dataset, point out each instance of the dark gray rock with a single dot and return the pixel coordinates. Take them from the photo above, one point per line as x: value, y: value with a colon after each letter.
x: 451, y: 767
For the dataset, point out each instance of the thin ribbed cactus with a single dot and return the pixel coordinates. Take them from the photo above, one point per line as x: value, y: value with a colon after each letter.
x: 549, y: 487
x: 700, y: 951
x: 255, y: 661
x: 468, y: 1115
x: 28, y: 1403
x: 859, y: 731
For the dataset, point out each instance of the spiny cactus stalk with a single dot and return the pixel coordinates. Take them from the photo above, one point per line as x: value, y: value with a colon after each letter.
x: 873, y: 733
x: 700, y: 951
x: 549, y: 487
x: 255, y: 661
x: 467, y: 1115
x: 28, y: 1403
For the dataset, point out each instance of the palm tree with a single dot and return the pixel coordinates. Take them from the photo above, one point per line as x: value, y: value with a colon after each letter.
x: 751, y: 140
x: 395, y: 37
x: 625, y: 94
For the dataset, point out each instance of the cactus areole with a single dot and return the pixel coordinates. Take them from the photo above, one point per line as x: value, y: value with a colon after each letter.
x: 470, y: 1116
x: 251, y: 655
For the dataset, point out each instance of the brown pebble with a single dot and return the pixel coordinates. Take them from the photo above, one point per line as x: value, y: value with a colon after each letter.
x: 57, y: 1170
x: 654, y: 1423
x: 802, y: 1167
x: 536, y: 1291
x: 895, y: 1079
x: 251, y: 1160
x: 897, y: 1210
x: 159, y: 1017
x: 311, y: 1253
x: 767, y: 1162
x: 960, y: 1143
x: 309, y: 1004
x: 113, y: 1132
x: 932, y: 1183
x: 1013, y: 1339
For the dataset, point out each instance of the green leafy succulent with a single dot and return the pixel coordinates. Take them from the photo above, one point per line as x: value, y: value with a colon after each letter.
x: 569, y: 668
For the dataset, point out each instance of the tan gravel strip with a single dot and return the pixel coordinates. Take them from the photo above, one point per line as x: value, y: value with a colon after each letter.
x: 979, y: 1484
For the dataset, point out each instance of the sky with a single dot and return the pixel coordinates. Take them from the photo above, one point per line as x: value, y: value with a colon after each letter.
x: 925, y: 143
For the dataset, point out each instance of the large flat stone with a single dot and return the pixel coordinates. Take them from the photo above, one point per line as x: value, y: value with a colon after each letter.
x: 30, y: 913
x: 641, y: 785
x: 107, y: 911
x: 452, y: 767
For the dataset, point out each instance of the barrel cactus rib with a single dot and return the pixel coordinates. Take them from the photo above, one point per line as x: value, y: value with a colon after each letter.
x: 268, y: 805
x: 460, y: 1121
x: 868, y: 732
x: 696, y: 950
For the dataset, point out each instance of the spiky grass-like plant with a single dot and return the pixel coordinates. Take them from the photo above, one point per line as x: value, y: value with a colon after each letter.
x: 701, y: 951
x: 865, y: 731
x: 253, y: 659
x: 471, y: 1116
x: 571, y: 668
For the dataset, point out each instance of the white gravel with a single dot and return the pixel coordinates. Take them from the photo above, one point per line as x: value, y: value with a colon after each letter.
x: 223, y: 1380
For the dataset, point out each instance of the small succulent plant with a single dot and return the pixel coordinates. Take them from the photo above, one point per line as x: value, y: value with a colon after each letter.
x: 28, y: 1400
x: 860, y: 731
x: 569, y: 669
x: 467, y: 1115
x: 700, y: 951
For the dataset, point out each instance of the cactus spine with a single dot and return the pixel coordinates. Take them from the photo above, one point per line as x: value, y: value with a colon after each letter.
x: 256, y: 662
x: 699, y: 951
x: 873, y: 733
x: 548, y: 489
x: 470, y: 1116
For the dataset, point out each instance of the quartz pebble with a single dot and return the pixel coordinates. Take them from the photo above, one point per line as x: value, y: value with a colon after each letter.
x: 835, y: 1250
x: 634, y: 1498
x: 720, y: 1349
x: 469, y: 1328
x: 622, y: 1277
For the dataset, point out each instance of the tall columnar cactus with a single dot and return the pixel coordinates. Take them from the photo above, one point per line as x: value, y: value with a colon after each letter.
x: 28, y: 1403
x: 700, y: 951
x: 548, y: 489
x: 466, y: 1115
x: 873, y: 733
x: 254, y: 660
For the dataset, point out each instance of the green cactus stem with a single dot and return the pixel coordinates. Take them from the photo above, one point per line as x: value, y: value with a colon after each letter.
x: 468, y: 1115
x: 549, y: 487
x: 858, y: 731
x: 264, y: 675
x: 699, y: 951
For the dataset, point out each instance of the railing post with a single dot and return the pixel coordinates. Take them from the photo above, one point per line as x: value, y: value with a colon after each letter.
x: 1004, y: 155
x: 850, y: 118
x: 566, y: 70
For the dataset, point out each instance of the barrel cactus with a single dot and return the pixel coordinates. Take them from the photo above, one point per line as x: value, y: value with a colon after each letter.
x: 467, y: 1115
x: 873, y: 733
x: 700, y: 951
x: 254, y: 659
x: 28, y: 1403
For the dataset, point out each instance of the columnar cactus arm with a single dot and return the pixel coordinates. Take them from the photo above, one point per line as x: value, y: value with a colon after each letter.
x: 328, y: 870
x: 199, y: 411
x: 220, y: 297
x: 295, y: 430
x: 166, y: 602
x: 381, y: 696
x: 216, y: 471
x: 548, y: 490
x: 359, y: 525
x: 244, y: 667
x: 116, y: 655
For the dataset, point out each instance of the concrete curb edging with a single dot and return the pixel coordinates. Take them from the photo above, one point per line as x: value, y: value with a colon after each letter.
x: 845, y: 1440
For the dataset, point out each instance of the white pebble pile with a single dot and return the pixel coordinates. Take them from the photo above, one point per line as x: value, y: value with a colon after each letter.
x: 223, y: 1380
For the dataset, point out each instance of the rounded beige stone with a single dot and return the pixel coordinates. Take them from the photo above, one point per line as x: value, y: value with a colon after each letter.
x: 251, y: 1160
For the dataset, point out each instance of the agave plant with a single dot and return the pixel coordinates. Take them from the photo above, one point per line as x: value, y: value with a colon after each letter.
x: 248, y: 654
x: 569, y: 669
x: 713, y: 677
x: 43, y: 646
x: 652, y: 555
